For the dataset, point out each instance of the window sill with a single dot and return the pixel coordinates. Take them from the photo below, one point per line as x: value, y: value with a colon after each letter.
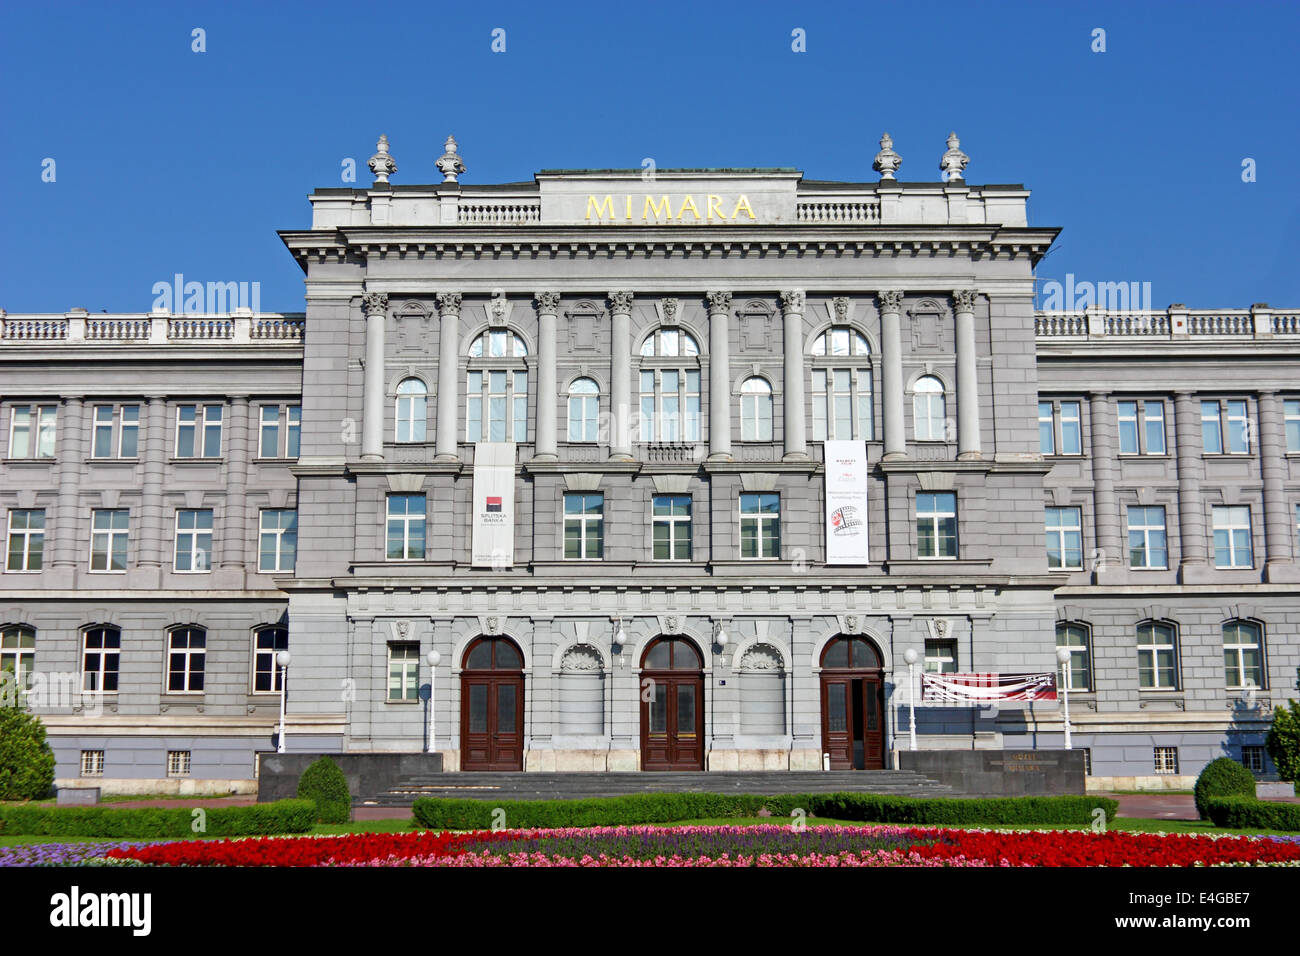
x: 31, y: 461
x: 1143, y: 456
x: 403, y: 703
x: 113, y: 461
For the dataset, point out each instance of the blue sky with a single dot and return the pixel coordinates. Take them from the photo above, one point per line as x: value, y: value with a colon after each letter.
x: 167, y: 160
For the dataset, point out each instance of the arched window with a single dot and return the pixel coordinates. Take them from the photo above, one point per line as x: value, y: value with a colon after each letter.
x: 755, y: 410
x: 267, y: 642
x: 101, y: 652
x: 412, y: 410
x: 17, y: 655
x: 850, y: 653
x: 186, y: 656
x: 496, y: 393
x: 1157, y: 646
x: 841, y: 385
x: 928, y: 409
x: 493, y: 654
x: 584, y: 410
x: 1075, y: 639
x: 670, y: 390
x: 672, y: 654
x: 1243, y: 655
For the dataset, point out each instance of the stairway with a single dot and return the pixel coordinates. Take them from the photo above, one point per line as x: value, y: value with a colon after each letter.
x: 573, y: 786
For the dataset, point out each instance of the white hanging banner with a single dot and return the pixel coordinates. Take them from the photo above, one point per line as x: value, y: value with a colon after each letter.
x: 846, y: 502
x: 976, y: 688
x: 492, y: 543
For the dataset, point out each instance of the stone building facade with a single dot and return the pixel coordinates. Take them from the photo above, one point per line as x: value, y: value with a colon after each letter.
x: 571, y: 435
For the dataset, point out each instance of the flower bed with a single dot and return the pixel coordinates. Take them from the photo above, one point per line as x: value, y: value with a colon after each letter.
x: 761, y: 845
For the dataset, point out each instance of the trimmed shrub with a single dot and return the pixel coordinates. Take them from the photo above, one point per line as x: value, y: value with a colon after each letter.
x: 673, y: 807
x: 26, y: 760
x: 324, y: 784
x: 1283, y: 742
x: 1222, y: 777
x: 1247, y: 813
x: 261, y: 819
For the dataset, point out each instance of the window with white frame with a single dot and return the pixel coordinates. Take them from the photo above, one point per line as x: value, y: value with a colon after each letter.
x: 293, y: 431
x: 671, y: 527
x: 1252, y: 758
x: 32, y: 430
x: 496, y: 396
x: 1225, y: 427
x: 186, y: 657
x: 584, y: 526
x: 406, y: 517
x: 841, y: 386
x: 1243, y: 655
x: 277, y: 539
x: 1075, y: 639
x: 1064, y: 539
x: 194, y: 540
x: 412, y: 411
x: 1291, y: 416
x: 928, y: 409
x: 940, y: 657
x: 755, y: 409
x: 404, y: 672
x: 92, y: 763
x: 268, y: 443
x: 669, y: 391
x: 101, y: 651
x: 1157, y: 647
x: 760, y: 525
x: 1148, y: 546
x: 1141, y: 427
x: 669, y: 343
x: 108, y: 538
x: 18, y: 655
x: 584, y: 410
x: 1060, y: 429
x: 267, y: 643
x: 1232, y: 536
x: 1166, y: 760
x: 198, y: 431
x: 936, y: 524
x: 115, y: 431
x: 26, y: 540
x: 178, y: 763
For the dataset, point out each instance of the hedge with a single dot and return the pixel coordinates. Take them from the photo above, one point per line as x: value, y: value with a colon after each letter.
x: 261, y: 819
x: 441, y: 814
x: 1223, y: 777
x: 325, y: 785
x: 1247, y: 813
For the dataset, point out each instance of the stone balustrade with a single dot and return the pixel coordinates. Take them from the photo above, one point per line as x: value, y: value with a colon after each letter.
x: 1174, y: 323
x: 157, y: 328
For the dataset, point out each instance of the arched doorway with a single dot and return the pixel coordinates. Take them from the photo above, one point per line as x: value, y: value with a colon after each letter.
x: 492, y: 706
x: 853, y: 705
x: 672, y: 705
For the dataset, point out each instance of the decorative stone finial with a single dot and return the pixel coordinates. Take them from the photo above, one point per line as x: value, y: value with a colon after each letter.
x: 954, y: 160
x: 449, y: 163
x: 381, y: 164
x: 887, y: 161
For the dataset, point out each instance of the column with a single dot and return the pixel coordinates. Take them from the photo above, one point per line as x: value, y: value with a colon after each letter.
x: 448, y: 376
x: 891, y: 343
x: 68, y: 429
x: 375, y: 305
x: 233, y: 529
x: 794, y: 426
x: 620, y: 376
x: 1105, y: 507
x: 548, y: 304
x: 1192, y: 542
x: 157, y: 435
x: 719, y: 375
x: 968, y: 398
x: 1278, y: 566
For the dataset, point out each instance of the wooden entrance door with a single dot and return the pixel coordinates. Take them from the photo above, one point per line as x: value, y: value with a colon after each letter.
x: 492, y: 706
x: 853, y: 705
x: 672, y: 706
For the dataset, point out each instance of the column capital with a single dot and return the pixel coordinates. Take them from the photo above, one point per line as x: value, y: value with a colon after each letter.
x: 891, y: 300
x: 548, y: 303
x: 1267, y: 392
x: 620, y: 303
x: 374, y: 303
x: 719, y: 301
x: 964, y: 299
x: 448, y: 303
x: 792, y: 301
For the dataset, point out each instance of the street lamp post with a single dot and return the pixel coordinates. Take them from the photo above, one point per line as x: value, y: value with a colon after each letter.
x: 1063, y: 655
x: 910, y: 656
x: 434, y: 657
x: 283, y: 658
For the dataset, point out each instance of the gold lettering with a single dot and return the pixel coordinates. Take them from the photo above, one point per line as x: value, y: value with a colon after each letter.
x: 689, y: 201
x: 653, y: 210
x: 715, y: 204
x: 743, y: 203
x: 605, y: 208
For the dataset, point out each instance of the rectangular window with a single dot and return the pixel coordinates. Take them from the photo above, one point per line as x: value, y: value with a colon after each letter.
x: 670, y: 405
x: 194, y: 540
x: 1157, y: 657
x: 267, y: 674
x: 1211, y: 434
x: 198, y: 431
x: 1232, y: 537
x: 103, y: 441
x: 178, y: 763
x: 1067, y: 423
x: 278, y: 539
x: 1291, y: 413
x: 17, y: 656
x: 404, y: 672
x: 108, y: 539
x: 101, y: 653
x: 1252, y: 758
x: 584, y: 526
x: 406, y: 514
x: 294, y: 436
x: 1147, y: 543
x: 941, y: 657
x: 1128, y: 428
x: 936, y: 524
x: 186, y: 659
x: 1064, y: 539
x: 31, y: 433
x: 121, y: 422
x: 760, y: 525
x: 92, y: 763
x: 672, y: 527
x: 842, y: 404
x: 26, y: 540
x: 1142, y: 428
x: 1046, y: 429
x: 497, y: 406
x: 1071, y: 428
x: 1166, y: 759
x: 1243, y: 655
x: 1225, y: 427
x: 1074, y: 638
x: 1238, y: 429
x: 268, y: 445
x: 128, y: 445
